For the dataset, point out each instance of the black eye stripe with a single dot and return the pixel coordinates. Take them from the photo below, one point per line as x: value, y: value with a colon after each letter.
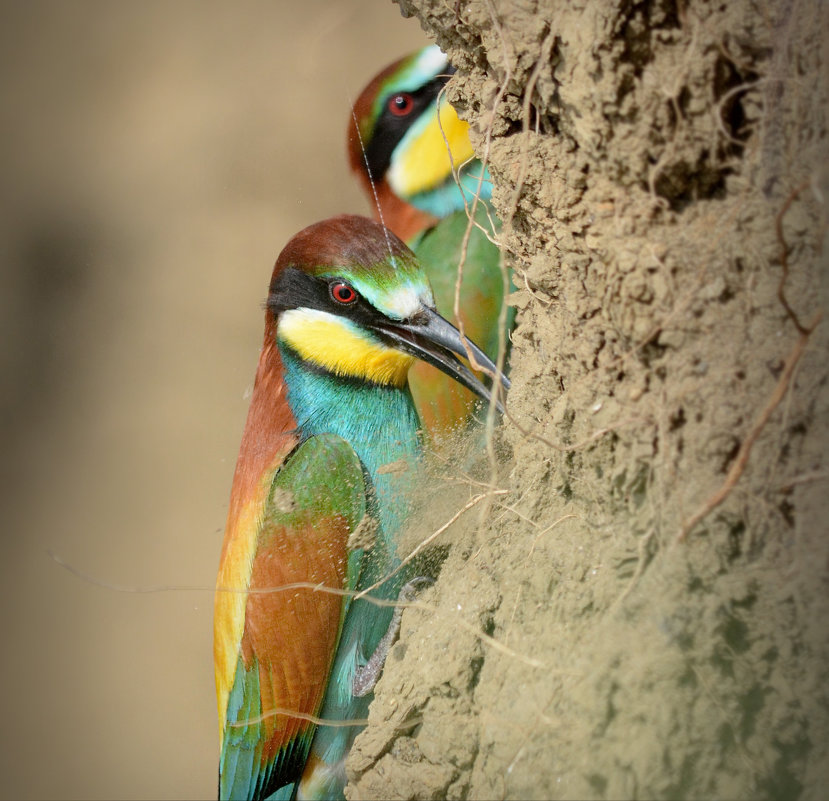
x: 296, y: 289
x: 391, y: 126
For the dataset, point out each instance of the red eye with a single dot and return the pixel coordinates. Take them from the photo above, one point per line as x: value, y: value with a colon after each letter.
x: 401, y: 104
x: 343, y: 293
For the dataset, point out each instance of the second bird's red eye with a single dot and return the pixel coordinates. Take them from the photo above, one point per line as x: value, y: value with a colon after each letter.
x: 401, y: 104
x: 343, y: 293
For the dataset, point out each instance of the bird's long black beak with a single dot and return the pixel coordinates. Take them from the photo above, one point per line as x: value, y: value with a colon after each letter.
x: 430, y: 337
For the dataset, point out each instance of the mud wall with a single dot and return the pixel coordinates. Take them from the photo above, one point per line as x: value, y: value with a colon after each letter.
x: 636, y: 607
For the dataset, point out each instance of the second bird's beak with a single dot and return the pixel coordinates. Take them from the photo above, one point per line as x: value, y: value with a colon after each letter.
x: 433, y: 339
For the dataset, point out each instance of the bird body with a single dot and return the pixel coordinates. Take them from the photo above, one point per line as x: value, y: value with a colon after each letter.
x: 444, y: 406
x: 412, y: 155
x: 322, y: 487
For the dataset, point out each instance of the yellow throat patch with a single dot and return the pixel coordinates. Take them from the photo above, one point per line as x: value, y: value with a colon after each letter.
x: 425, y: 163
x: 338, y: 347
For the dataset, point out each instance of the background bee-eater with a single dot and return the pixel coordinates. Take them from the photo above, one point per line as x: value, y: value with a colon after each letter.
x: 412, y: 155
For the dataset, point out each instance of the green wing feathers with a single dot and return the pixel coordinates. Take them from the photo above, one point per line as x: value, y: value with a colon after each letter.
x: 317, y: 499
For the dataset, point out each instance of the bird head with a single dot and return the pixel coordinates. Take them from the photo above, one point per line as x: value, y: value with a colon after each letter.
x: 403, y: 132
x: 348, y: 298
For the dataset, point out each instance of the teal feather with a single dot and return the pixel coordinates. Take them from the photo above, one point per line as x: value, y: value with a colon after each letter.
x: 450, y: 197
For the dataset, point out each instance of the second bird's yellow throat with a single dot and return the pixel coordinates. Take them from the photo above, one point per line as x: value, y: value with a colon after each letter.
x: 424, y: 162
x: 337, y: 346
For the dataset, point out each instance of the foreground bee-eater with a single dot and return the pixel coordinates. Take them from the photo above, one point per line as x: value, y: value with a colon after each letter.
x: 412, y: 155
x: 323, y: 483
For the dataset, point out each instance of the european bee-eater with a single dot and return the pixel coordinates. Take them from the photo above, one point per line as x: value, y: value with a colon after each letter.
x: 323, y: 483
x: 412, y: 155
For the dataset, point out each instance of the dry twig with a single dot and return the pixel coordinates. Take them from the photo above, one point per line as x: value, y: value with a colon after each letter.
x: 740, y: 462
x: 784, y: 256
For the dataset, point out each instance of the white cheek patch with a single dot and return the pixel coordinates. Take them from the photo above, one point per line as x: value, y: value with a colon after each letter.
x: 403, y: 303
x: 293, y: 321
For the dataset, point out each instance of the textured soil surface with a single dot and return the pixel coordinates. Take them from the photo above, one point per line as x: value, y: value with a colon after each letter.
x: 635, y: 602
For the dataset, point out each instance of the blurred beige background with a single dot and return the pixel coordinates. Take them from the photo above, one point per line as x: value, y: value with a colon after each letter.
x: 156, y: 157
